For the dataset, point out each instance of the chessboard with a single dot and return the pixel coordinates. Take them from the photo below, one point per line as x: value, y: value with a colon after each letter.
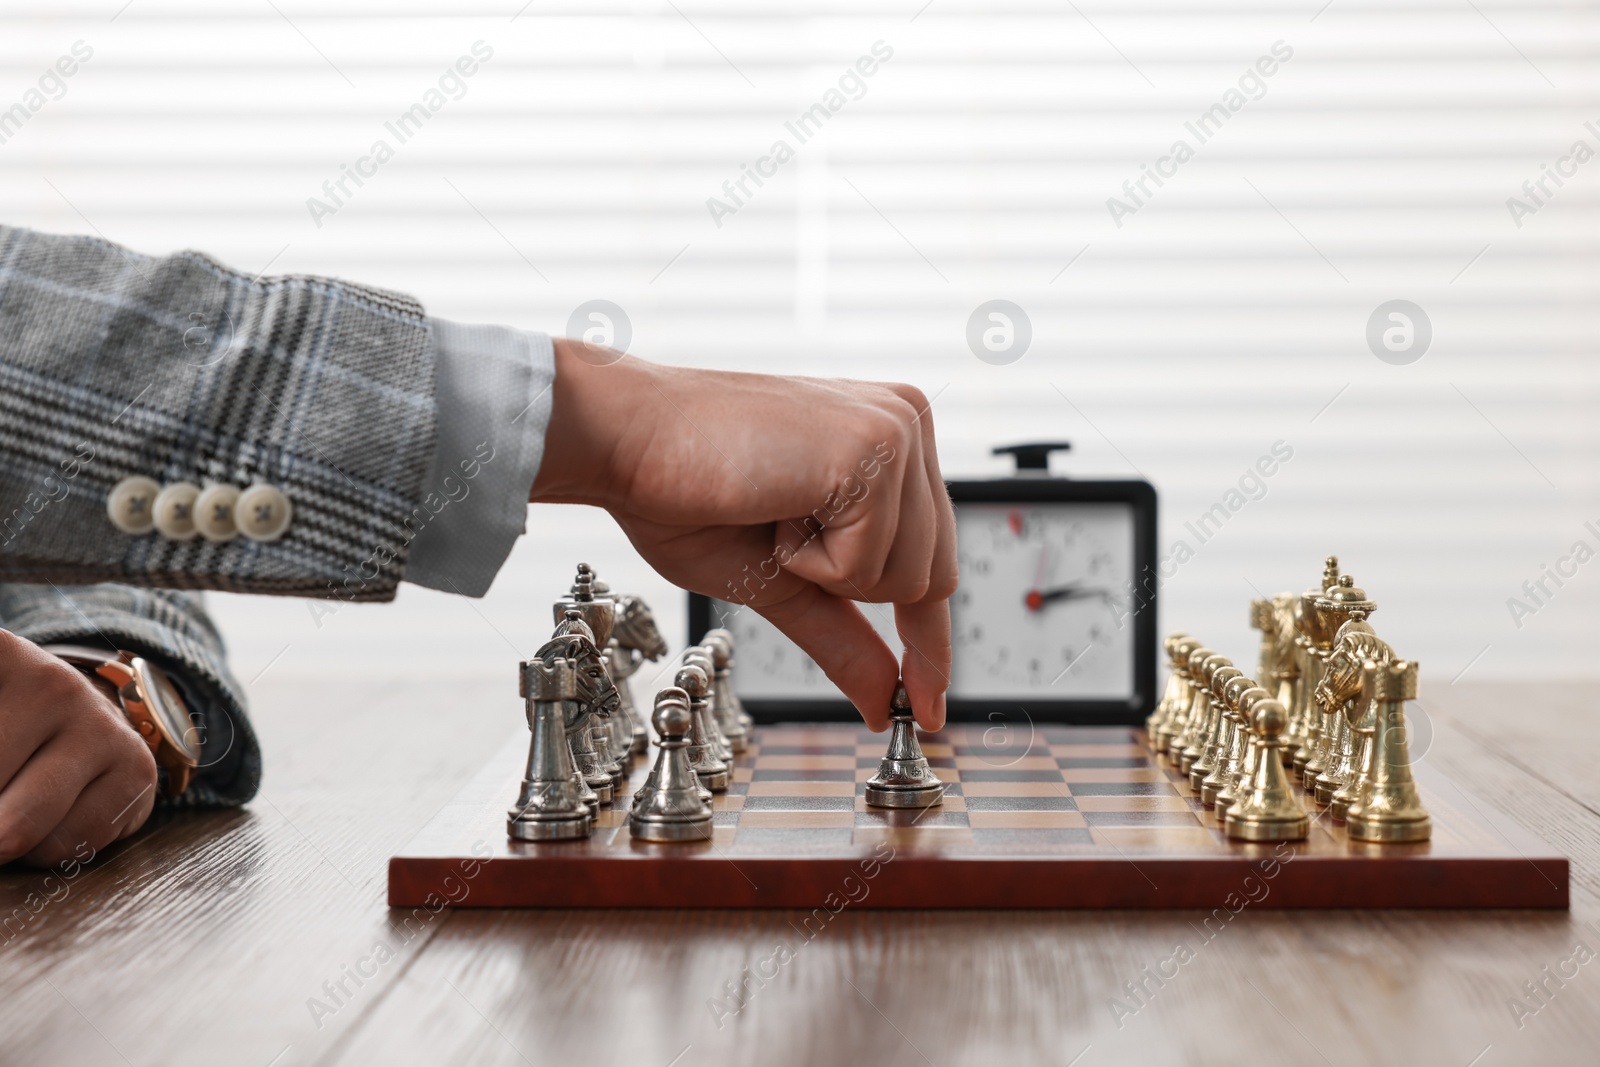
x: 1069, y: 817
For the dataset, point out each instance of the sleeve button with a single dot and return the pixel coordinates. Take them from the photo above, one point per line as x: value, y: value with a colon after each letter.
x: 214, y: 513
x: 264, y: 512
x: 131, y: 505
x: 175, y: 511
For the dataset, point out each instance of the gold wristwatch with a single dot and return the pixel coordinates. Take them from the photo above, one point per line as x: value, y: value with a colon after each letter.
x: 152, y: 704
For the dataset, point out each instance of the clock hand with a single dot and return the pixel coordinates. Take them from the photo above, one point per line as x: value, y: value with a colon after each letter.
x: 1044, y: 559
x: 1036, y: 599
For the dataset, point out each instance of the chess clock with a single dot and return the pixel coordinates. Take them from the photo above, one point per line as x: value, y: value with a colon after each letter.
x: 1053, y: 619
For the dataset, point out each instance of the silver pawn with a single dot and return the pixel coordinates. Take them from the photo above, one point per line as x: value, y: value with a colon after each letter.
x: 591, y: 599
x: 671, y: 807
x: 674, y: 693
x: 625, y: 718
x: 708, y: 766
x: 640, y: 741
x: 720, y: 642
x: 550, y: 806
x: 597, y: 777
x: 623, y: 722
x: 590, y: 798
x: 904, y: 779
x: 700, y: 656
x: 745, y: 721
x: 638, y: 638
x: 600, y: 734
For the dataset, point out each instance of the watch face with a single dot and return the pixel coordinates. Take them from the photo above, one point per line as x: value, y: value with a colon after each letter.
x: 164, y: 701
x: 1042, y: 611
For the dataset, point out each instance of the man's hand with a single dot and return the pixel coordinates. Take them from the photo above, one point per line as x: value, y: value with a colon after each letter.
x: 72, y: 769
x: 796, y: 496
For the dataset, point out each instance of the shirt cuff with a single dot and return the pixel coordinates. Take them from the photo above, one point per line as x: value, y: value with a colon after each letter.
x: 494, y: 387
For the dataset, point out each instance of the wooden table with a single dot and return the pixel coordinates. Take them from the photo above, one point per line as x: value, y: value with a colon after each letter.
x: 222, y: 938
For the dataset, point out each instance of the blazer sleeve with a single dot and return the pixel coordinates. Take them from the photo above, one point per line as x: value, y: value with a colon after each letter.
x: 177, y: 369
x: 172, y: 630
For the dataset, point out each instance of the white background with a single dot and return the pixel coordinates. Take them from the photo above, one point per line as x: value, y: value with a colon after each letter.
x: 1227, y: 314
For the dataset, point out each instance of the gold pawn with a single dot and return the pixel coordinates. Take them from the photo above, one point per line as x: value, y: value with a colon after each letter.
x: 1220, y: 725
x: 1240, y: 780
x: 1178, y: 721
x: 1165, y: 703
x: 1389, y: 808
x: 1303, y: 723
x: 1319, y: 729
x: 1346, y: 794
x: 1202, y: 661
x: 1267, y: 810
x: 1184, y: 726
x: 1261, y: 619
x: 1342, y: 750
x: 1282, y: 680
x: 1158, y: 727
x: 1305, y: 661
x: 1230, y: 752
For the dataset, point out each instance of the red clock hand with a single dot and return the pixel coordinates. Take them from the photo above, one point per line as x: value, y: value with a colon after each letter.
x: 1034, y: 599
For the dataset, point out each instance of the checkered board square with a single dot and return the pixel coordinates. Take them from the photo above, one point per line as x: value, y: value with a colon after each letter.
x: 1057, y: 816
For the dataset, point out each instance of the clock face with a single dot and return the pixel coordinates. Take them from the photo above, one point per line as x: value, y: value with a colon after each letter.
x: 1042, y: 611
x: 1042, y: 606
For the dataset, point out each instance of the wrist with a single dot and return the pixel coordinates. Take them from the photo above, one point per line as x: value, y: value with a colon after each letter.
x: 598, y: 400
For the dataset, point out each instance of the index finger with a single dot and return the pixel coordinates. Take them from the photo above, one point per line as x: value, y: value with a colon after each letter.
x: 925, y: 664
x: 838, y: 637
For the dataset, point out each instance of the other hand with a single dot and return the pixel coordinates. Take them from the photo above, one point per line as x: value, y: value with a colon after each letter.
x: 72, y: 769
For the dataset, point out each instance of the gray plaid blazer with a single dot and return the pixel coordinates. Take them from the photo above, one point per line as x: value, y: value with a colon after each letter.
x: 114, y: 364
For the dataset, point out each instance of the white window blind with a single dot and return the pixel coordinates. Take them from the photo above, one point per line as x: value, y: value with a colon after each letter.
x: 1180, y: 334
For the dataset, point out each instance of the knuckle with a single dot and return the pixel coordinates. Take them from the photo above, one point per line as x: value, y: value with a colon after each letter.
x: 856, y: 588
x: 56, y: 679
x: 16, y: 838
x: 146, y: 767
x: 108, y: 744
x: 905, y: 413
x: 860, y: 575
x: 911, y: 395
x: 941, y: 586
x: 133, y: 761
x: 135, y: 806
x: 885, y: 424
x: 917, y: 589
x: 49, y: 853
